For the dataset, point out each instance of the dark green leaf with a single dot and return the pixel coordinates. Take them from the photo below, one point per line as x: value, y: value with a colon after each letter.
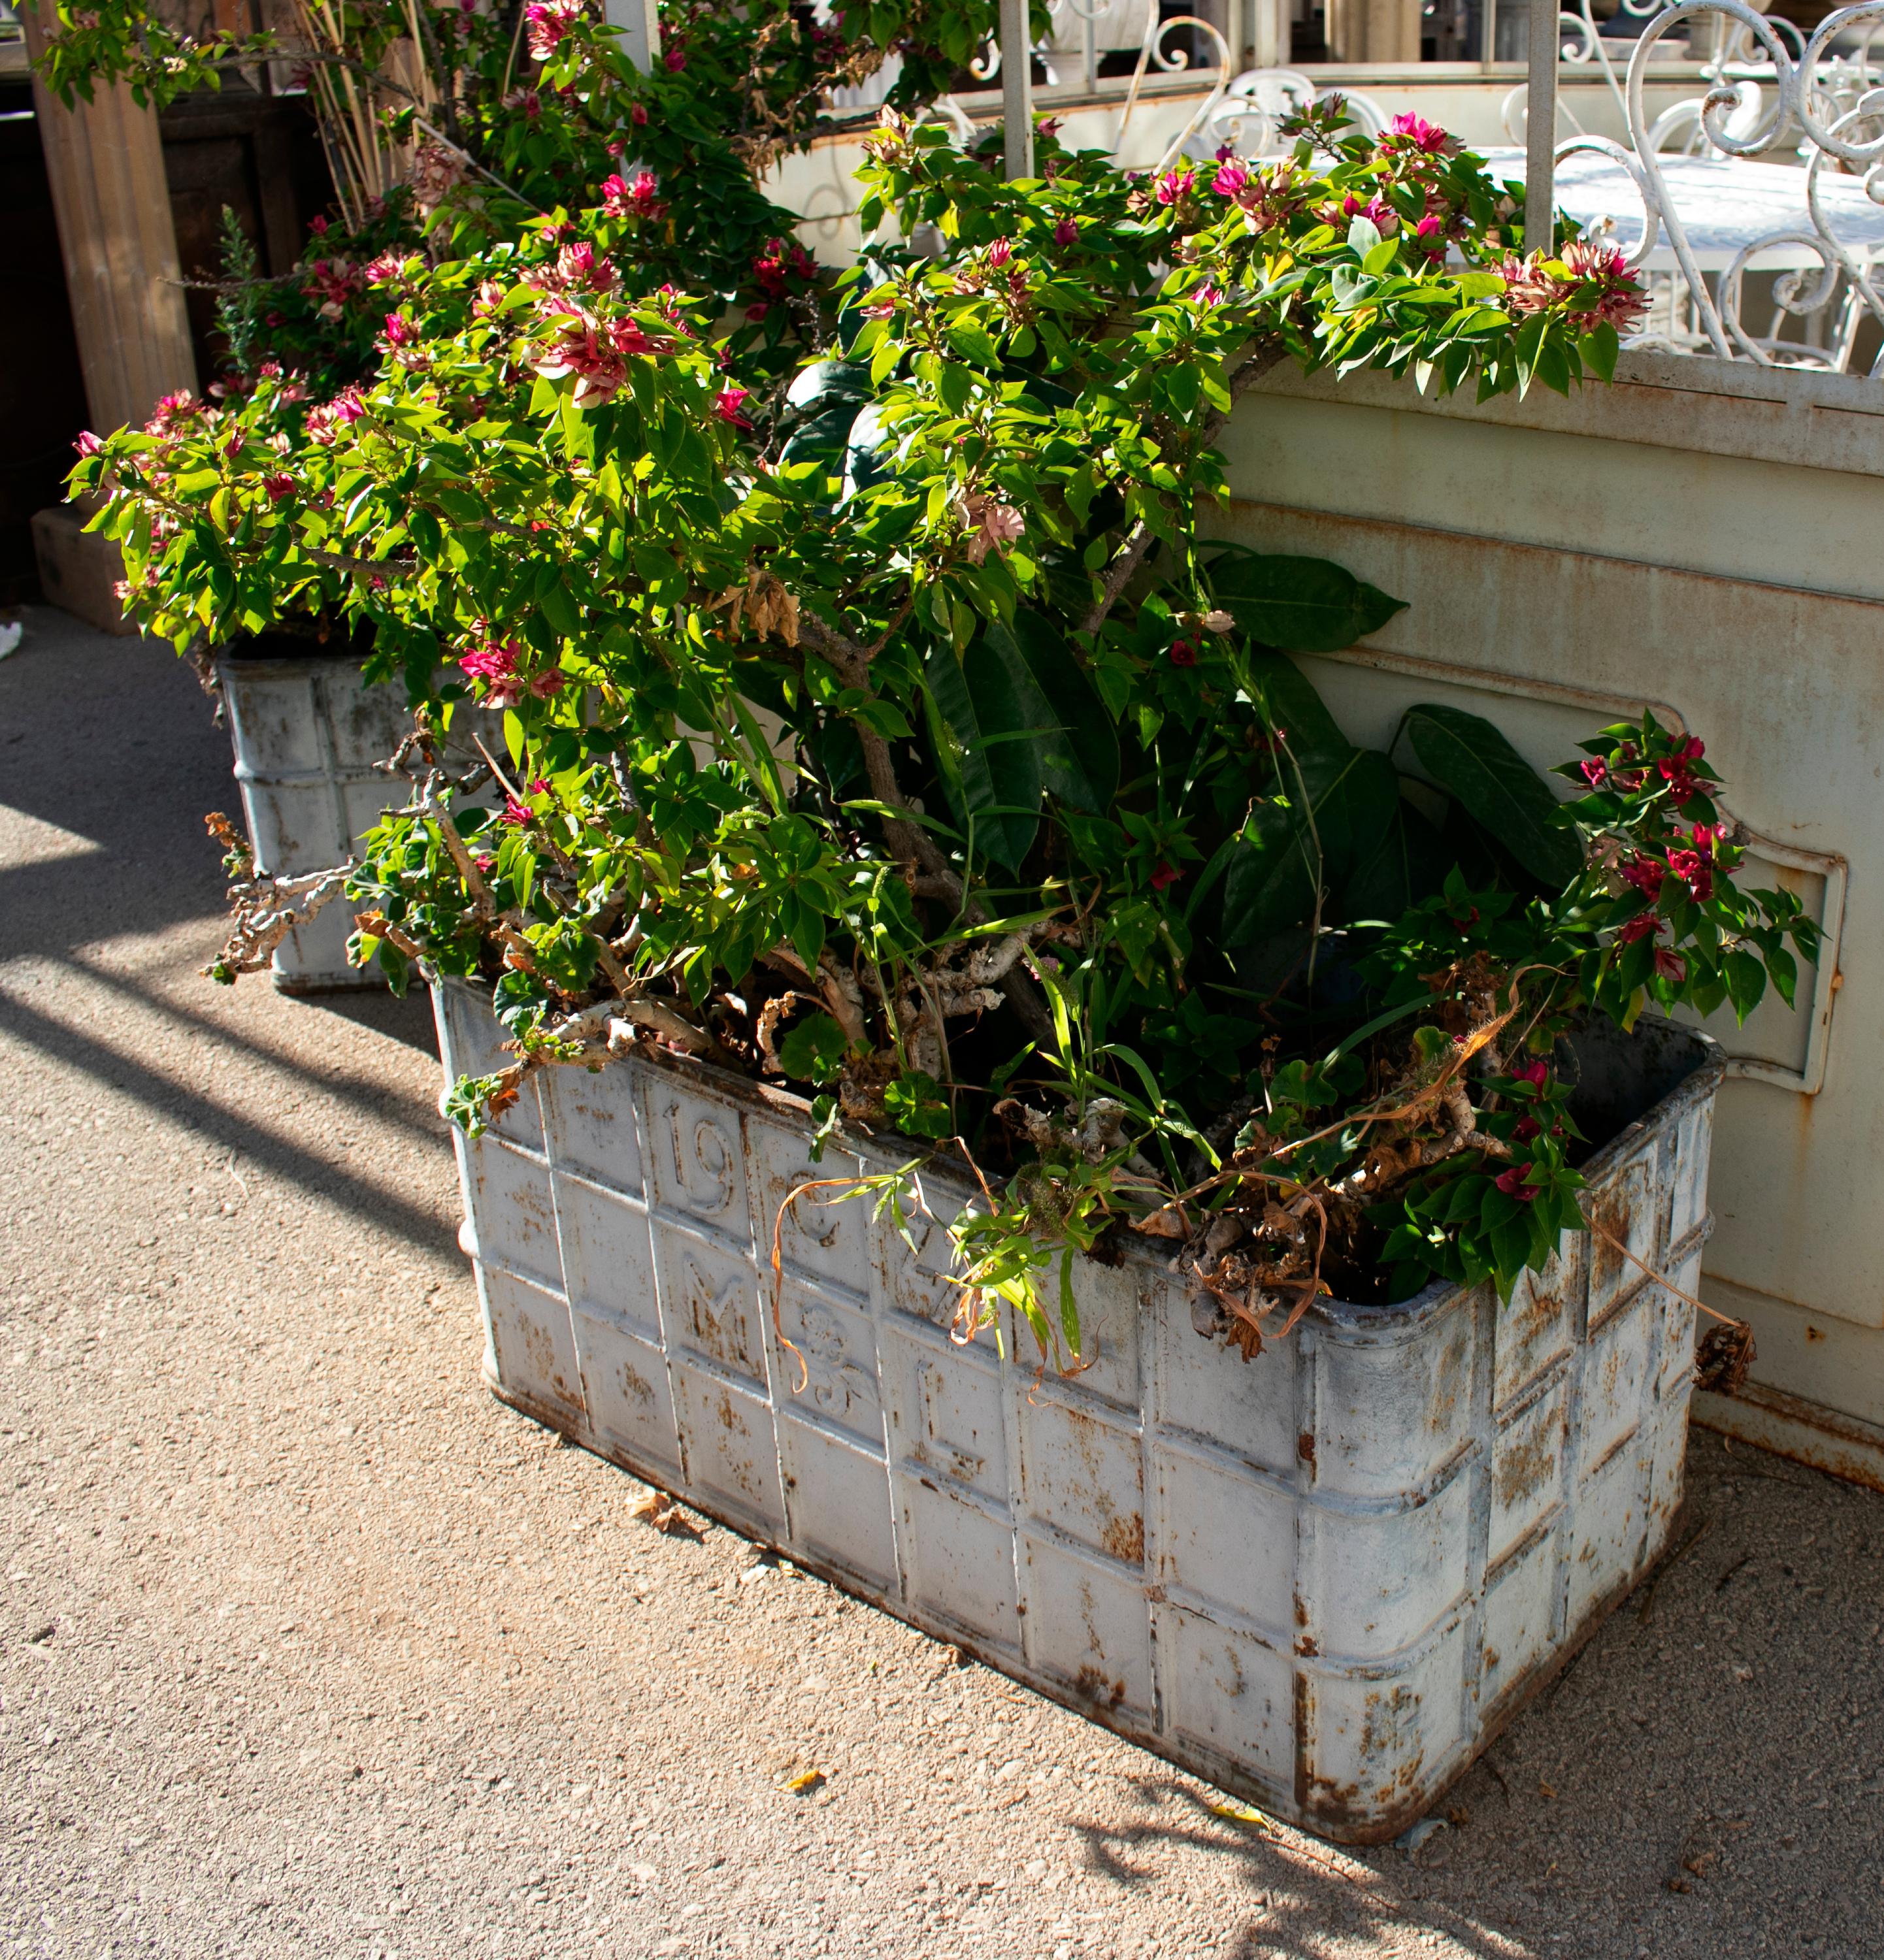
x: 1306, y: 604
x: 1292, y: 706
x: 1077, y: 744
x: 1474, y: 763
x: 813, y: 1050
x: 989, y: 774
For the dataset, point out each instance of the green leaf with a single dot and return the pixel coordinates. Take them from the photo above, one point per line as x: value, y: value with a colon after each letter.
x: 812, y: 1050
x: 1599, y: 347
x: 1078, y: 745
x: 1498, y: 788
x: 1289, y: 700
x: 1270, y: 885
x: 1407, y: 862
x: 917, y: 1107
x: 989, y: 775
x: 1308, y: 605
x: 1746, y: 982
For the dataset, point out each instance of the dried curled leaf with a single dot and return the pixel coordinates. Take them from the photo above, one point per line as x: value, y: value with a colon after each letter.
x: 659, y: 1509
x: 1725, y: 1353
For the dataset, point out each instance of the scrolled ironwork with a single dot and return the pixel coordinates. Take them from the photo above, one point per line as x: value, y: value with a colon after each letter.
x: 1767, y: 86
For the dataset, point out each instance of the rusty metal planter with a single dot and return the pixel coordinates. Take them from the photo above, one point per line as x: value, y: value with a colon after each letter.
x: 1324, y: 1579
x: 306, y: 732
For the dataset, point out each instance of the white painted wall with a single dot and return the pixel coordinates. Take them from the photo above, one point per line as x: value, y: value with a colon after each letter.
x: 1702, y: 538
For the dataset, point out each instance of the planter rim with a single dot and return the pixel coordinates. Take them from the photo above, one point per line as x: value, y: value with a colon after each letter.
x: 228, y: 657
x: 1386, y: 1318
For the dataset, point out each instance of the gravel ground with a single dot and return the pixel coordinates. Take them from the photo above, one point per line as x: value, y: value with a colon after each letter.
x: 307, y: 1646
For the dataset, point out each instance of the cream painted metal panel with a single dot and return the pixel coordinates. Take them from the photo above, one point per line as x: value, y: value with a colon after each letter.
x: 1567, y: 562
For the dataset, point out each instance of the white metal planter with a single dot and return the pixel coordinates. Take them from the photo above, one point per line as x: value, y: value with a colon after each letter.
x: 1325, y: 1578
x: 306, y: 733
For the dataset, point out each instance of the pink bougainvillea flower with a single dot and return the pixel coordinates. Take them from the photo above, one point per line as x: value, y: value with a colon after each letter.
x: 586, y: 352
x: 1621, y: 299
x: 1695, y: 871
x: 1670, y: 965
x: 1183, y: 653
x: 1534, y: 1069
x: 1593, y: 275
x: 577, y: 264
x: 1165, y: 876
x: 548, y: 23
x: 1232, y: 177
x: 726, y: 406
x: 1174, y: 184
x: 1512, y: 1183
x: 1595, y: 772
x: 627, y: 338
x: 279, y: 488
x: 1706, y: 835
x: 171, y: 411
x: 1527, y: 288
x: 1644, y: 873
x: 1209, y: 294
x: 494, y: 662
x: 1409, y: 132
x: 327, y: 419
x: 514, y: 812
x: 436, y: 171
x: 1525, y: 1127
x: 996, y: 526
x: 1674, y: 772
x: 675, y: 59
x: 1634, y: 929
x: 621, y: 198
x: 1065, y: 232
x: 1000, y: 252
x: 638, y: 116
x: 1430, y: 235
x: 549, y: 682
x: 87, y: 444
x: 1377, y: 211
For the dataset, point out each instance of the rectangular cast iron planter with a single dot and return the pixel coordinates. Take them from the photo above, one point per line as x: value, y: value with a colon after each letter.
x: 1325, y: 1578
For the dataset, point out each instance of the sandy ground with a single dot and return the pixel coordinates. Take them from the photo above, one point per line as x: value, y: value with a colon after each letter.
x: 309, y: 1646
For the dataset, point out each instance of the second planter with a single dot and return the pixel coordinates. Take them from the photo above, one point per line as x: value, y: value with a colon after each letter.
x: 306, y: 732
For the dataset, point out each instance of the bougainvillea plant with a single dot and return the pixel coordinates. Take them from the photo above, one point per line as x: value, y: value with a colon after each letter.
x: 473, y: 121
x: 900, y: 731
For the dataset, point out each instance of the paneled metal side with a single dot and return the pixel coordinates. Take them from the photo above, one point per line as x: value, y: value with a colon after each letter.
x: 1324, y: 1578
x: 306, y: 733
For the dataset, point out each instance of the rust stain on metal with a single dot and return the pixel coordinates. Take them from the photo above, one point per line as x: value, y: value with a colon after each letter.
x: 1124, y: 1538
x: 1527, y: 1467
x: 1615, y: 1214
x: 539, y: 1347
x: 1305, y: 1446
x: 1091, y: 1682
